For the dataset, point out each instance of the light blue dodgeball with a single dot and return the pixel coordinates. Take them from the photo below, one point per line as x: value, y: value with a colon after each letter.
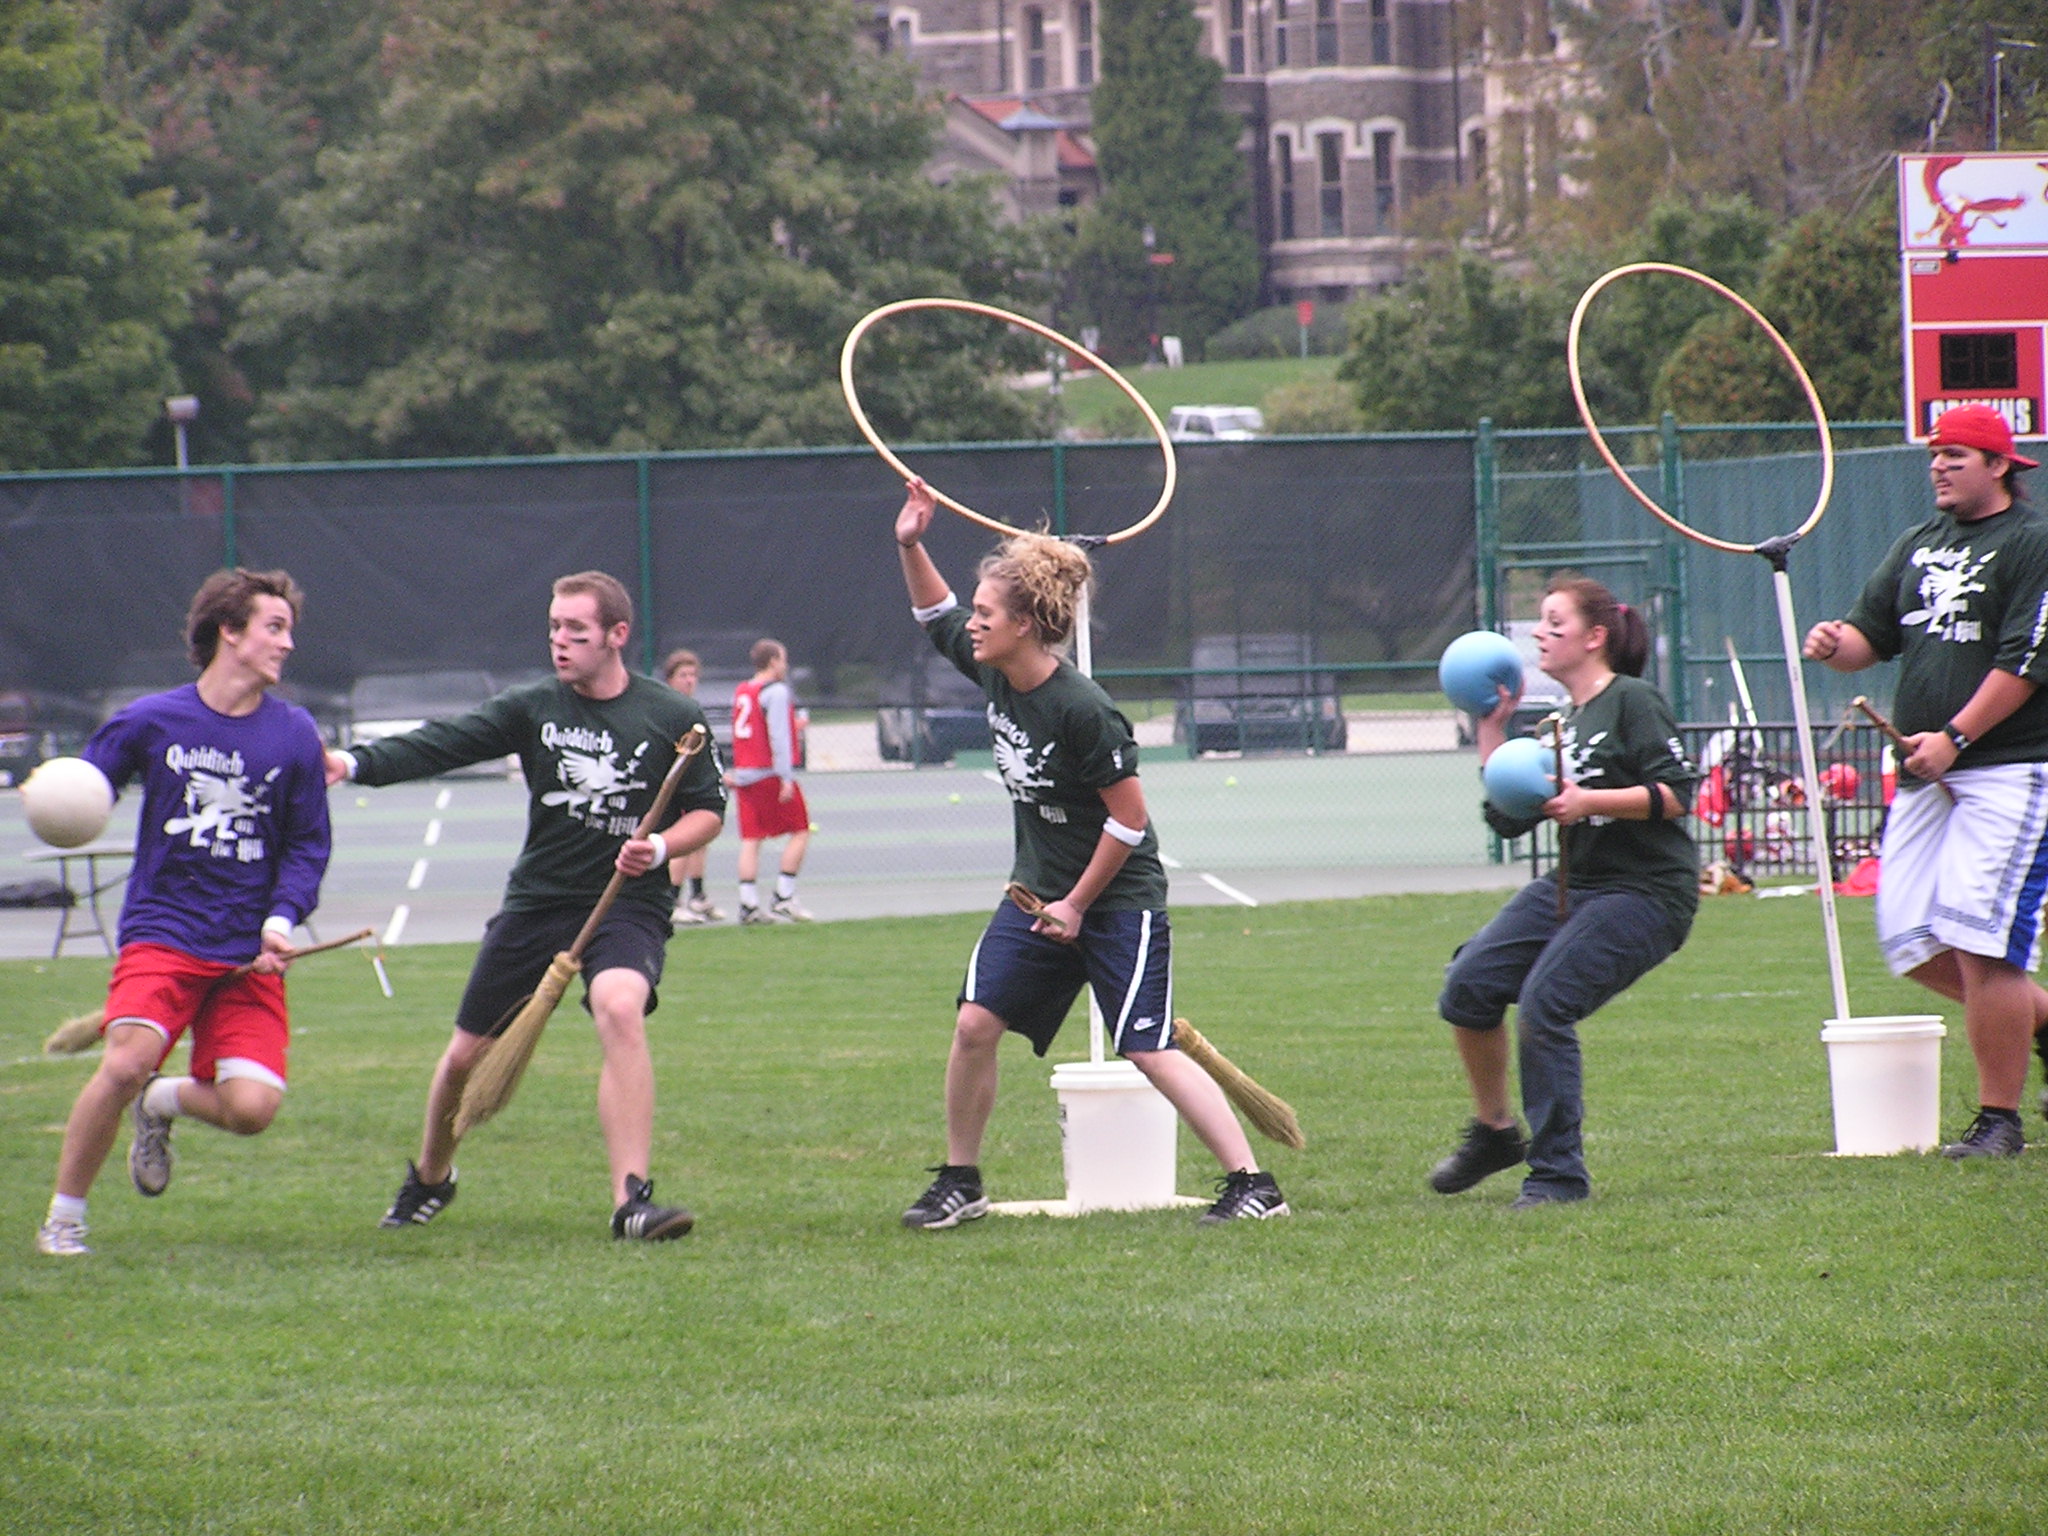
x: 1520, y: 776
x: 1474, y: 665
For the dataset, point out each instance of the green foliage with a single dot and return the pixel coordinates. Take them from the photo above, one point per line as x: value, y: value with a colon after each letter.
x: 93, y: 275
x: 1831, y: 288
x: 1276, y: 332
x: 1737, y: 1334
x: 1167, y: 148
x: 238, y: 101
x: 641, y: 225
x: 1311, y: 406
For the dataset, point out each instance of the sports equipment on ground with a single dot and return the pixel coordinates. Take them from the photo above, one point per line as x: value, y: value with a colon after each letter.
x: 1989, y: 1136
x: 643, y: 1221
x: 1269, y: 1114
x: 1474, y: 666
x: 1774, y: 550
x: 62, y: 1239
x: 496, y: 1075
x: 68, y: 801
x: 954, y: 1196
x: 1245, y: 1196
x: 1520, y: 776
x: 790, y: 910
x: 1484, y: 1152
x: 417, y: 1201
x: 149, y: 1153
x: 1071, y: 348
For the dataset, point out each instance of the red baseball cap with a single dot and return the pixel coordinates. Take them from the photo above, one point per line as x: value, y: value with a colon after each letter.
x: 1980, y: 427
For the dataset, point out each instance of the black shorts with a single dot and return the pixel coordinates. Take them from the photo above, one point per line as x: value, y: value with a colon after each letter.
x: 1030, y: 982
x: 518, y: 947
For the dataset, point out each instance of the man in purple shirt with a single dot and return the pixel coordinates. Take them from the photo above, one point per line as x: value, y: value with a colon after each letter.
x: 230, y: 846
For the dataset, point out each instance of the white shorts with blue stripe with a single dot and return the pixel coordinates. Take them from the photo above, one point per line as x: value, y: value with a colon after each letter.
x: 1969, y: 875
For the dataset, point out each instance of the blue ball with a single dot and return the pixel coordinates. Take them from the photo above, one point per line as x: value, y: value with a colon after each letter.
x: 1474, y: 665
x: 1521, y: 775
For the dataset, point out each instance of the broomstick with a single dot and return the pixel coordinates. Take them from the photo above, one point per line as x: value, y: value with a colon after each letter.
x: 82, y: 1031
x: 496, y: 1076
x: 1905, y: 747
x: 1268, y: 1113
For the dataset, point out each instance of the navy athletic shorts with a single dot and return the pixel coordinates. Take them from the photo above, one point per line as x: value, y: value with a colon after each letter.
x: 1030, y: 982
x: 518, y: 947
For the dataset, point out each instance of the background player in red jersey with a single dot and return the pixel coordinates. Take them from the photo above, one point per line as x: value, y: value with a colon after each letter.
x: 764, y: 772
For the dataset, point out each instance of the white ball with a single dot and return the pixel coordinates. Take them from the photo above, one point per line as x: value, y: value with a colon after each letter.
x: 68, y: 801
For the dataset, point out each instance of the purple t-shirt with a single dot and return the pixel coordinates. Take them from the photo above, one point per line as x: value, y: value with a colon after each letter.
x: 234, y: 824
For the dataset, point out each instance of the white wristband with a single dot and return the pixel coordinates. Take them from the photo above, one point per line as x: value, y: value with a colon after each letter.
x: 350, y: 759
x: 660, y: 847
x: 945, y: 604
x: 1130, y: 837
x: 278, y: 923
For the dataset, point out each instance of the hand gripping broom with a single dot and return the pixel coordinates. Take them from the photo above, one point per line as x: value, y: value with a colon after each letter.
x: 1269, y: 1114
x: 81, y: 1032
x: 496, y: 1075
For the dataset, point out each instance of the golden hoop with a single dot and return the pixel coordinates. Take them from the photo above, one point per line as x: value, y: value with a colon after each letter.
x: 1827, y: 443
x: 1074, y: 348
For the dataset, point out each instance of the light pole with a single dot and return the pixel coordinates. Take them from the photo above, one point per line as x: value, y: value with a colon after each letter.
x: 1150, y: 237
x: 182, y: 409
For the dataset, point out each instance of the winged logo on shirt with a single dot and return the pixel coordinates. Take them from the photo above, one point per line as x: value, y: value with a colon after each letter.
x: 596, y: 784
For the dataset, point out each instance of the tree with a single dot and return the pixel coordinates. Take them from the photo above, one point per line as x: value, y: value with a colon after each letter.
x: 237, y: 101
x: 1167, y: 149
x: 93, y: 276
x: 1831, y: 287
x: 638, y: 224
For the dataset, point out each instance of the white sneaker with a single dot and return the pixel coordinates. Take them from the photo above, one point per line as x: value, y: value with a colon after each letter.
x: 149, y: 1154
x: 751, y: 917
x: 62, y: 1239
x: 684, y: 917
x: 705, y: 910
x: 790, y: 910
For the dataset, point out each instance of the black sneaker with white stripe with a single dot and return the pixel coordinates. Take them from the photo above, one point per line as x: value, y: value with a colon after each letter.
x: 641, y: 1219
x: 1246, y: 1195
x: 955, y: 1196
x: 419, y: 1202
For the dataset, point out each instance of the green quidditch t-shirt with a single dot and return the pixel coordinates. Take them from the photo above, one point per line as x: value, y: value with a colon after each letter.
x: 1953, y: 601
x: 1625, y: 735
x: 1057, y: 746
x: 593, y: 767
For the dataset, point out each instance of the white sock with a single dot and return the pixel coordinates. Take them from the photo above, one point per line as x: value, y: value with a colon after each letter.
x: 161, y: 1097
x: 785, y: 887
x: 68, y: 1208
x: 750, y: 894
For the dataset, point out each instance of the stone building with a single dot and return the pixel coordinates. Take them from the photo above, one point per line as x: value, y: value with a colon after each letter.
x: 1353, y: 112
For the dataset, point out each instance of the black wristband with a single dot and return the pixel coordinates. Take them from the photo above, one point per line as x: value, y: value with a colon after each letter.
x: 1956, y: 737
x: 1656, y: 801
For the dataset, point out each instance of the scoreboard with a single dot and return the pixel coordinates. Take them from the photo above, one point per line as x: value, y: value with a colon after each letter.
x: 1973, y: 272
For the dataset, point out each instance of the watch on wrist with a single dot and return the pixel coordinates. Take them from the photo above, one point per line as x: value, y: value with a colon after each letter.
x: 1956, y: 737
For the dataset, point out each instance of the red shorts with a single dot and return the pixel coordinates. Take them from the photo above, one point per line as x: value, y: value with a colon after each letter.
x: 764, y: 813
x: 239, y: 1026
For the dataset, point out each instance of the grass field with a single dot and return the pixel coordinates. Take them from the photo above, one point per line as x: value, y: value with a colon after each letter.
x: 1738, y: 1334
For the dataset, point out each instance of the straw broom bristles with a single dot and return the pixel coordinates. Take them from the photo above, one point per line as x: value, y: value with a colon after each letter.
x: 1269, y: 1114
x: 81, y: 1032
x: 495, y: 1077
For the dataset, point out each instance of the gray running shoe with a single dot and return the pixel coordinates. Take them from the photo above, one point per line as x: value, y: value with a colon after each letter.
x: 1989, y: 1136
x: 149, y: 1154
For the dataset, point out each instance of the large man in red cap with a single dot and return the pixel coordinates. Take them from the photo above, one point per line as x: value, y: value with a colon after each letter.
x: 1962, y: 602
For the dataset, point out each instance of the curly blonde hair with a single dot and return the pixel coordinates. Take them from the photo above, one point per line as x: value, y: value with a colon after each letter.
x: 1042, y: 579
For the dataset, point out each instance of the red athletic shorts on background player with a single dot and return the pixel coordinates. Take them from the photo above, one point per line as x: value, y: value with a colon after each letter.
x: 764, y: 813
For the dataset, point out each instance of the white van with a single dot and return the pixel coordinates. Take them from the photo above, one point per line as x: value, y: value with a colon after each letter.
x: 1214, y: 423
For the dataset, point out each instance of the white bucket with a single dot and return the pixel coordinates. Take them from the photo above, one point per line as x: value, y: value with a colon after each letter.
x: 1886, y: 1077
x: 1116, y: 1137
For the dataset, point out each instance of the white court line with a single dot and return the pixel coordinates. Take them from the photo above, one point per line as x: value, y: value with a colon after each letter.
x: 992, y: 776
x: 418, y: 877
x: 396, y: 926
x: 433, y: 832
x: 1229, y: 890
x: 1171, y: 862
x: 441, y: 800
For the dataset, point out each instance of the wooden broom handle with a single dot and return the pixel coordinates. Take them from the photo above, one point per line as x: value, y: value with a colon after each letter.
x: 1870, y: 713
x: 688, y: 747
x: 311, y: 949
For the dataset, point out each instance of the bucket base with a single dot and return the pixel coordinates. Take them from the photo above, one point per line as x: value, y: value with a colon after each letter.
x: 1069, y: 1208
x: 1885, y: 1076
